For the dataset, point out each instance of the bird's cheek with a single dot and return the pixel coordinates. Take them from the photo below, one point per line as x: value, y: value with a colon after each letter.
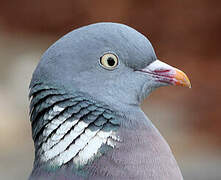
x: 148, y: 86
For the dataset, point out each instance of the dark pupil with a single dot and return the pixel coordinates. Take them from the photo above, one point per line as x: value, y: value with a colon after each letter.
x: 110, y: 61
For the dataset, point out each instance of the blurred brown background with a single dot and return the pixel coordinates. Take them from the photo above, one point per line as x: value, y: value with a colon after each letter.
x: 185, y: 34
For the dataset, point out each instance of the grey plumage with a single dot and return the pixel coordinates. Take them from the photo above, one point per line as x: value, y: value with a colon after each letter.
x: 73, y: 107
x: 86, y: 120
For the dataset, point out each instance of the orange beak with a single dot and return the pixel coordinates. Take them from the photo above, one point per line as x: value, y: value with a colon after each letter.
x: 181, y: 79
x: 167, y: 74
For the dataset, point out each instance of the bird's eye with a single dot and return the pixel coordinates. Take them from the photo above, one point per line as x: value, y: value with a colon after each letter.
x: 109, y: 61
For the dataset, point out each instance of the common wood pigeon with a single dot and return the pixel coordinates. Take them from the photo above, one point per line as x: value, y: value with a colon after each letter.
x: 85, y: 107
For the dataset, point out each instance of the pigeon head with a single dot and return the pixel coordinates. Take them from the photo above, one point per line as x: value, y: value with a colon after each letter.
x: 111, y: 62
x: 85, y: 94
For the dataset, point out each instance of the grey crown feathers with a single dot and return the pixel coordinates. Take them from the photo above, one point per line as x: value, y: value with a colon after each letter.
x: 84, y: 110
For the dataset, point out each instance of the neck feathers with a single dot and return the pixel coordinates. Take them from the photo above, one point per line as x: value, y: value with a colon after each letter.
x: 69, y: 128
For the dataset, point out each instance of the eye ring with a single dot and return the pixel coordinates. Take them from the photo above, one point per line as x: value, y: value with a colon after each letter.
x: 109, y: 61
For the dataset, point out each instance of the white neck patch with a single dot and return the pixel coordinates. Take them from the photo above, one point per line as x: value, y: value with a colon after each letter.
x: 74, y: 140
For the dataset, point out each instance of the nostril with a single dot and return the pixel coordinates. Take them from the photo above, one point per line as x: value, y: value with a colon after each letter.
x: 161, y: 71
